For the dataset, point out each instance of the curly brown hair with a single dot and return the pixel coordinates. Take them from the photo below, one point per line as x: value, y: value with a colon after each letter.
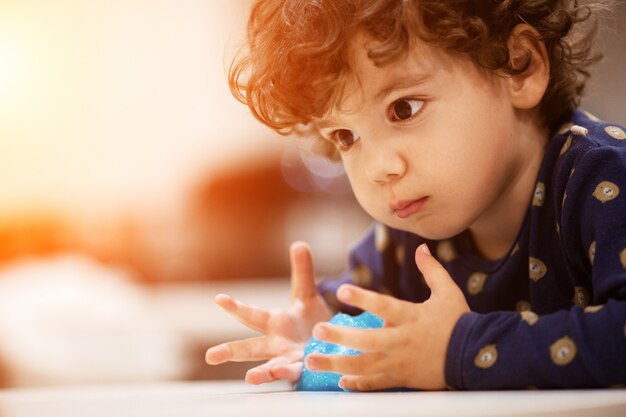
x: 292, y: 69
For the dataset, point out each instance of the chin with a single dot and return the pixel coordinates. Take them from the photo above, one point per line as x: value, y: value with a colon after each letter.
x: 431, y: 229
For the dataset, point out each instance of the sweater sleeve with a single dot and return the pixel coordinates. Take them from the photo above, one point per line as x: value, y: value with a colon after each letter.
x: 567, y: 349
x: 580, y: 346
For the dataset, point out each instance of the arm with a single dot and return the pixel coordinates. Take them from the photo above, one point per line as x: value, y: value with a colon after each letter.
x: 284, y: 332
x: 570, y: 348
x: 576, y: 346
x: 573, y: 348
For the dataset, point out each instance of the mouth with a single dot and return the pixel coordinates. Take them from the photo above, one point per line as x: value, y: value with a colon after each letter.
x: 406, y: 208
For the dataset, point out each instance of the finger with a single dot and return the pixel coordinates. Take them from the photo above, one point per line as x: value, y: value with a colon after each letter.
x: 367, y: 382
x: 290, y: 372
x: 359, y: 339
x: 253, y: 317
x: 361, y: 364
x: 435, y: 275
x: 389, y: 308
x: 217, y: 354
x: 302, y: 274
x: 259, y: 375
x: 263, y: 373
x: 253, y: 349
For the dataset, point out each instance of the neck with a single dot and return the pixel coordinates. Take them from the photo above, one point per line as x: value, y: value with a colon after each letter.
x: 495, y: 233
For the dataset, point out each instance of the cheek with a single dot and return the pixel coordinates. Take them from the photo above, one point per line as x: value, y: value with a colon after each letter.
x: 483, y: 146
x: 363, y: 189
x: 349, y: 166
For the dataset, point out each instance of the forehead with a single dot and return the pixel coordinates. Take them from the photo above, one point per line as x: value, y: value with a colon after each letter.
x: 368, y: 83
x: 368, y: 79
x: 418, y: 56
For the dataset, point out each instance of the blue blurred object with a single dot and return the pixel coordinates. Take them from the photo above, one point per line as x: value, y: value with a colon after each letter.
x: 329, y: 381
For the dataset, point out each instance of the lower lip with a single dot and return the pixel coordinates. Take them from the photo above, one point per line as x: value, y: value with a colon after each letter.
x: 411, y: 209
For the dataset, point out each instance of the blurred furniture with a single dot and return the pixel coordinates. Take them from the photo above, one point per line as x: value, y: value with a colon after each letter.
x: 68, y: 320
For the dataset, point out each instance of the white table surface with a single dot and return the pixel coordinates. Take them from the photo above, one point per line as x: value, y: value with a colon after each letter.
x: 235, y: 398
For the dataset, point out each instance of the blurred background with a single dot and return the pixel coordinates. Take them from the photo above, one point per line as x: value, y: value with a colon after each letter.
x: 133, y: 188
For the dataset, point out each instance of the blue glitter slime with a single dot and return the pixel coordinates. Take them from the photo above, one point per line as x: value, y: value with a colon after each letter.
x: 329, y: 381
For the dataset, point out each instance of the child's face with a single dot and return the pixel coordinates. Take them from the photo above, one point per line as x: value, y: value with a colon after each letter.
x: 428, y: 141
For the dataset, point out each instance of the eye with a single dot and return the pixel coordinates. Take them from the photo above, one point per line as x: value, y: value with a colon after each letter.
x: 344, y: 137
x: 405, y: 108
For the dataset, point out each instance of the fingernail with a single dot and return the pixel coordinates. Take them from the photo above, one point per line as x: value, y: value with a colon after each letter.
x: 218, y: 352
x: 251, y: 374
x: 341, y: 384
x: 299, y: 245
x: 425, y: 249
x: 344, y: 292
x: 311, y: 363
x: 319, y: 331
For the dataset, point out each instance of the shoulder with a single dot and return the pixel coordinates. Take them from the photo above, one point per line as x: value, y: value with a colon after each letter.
x: 587, y: 146
x: 586, y: 132
x: 590, y: 171
x: 585, y: 165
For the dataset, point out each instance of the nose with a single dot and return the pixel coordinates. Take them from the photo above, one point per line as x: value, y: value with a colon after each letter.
x: 384, y: 164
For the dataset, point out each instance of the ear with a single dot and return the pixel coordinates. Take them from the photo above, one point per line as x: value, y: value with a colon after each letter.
x: 527, y: 48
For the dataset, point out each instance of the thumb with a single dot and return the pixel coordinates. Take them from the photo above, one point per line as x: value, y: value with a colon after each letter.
x: 435, y: 275
x: 302, y: 274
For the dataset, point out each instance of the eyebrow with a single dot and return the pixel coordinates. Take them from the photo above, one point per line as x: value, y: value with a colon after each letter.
x: 396, y: 83
x: 323, y: 124
x: 400, y: 84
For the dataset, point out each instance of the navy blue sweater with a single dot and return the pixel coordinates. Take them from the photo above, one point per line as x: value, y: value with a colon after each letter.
x: 552, y: 312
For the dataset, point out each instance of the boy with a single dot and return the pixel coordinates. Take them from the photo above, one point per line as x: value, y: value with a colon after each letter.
x: 457, y: 126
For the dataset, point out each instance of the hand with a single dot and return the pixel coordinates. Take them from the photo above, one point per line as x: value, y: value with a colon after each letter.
x: 285, y: 332
x: 410, y: 350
